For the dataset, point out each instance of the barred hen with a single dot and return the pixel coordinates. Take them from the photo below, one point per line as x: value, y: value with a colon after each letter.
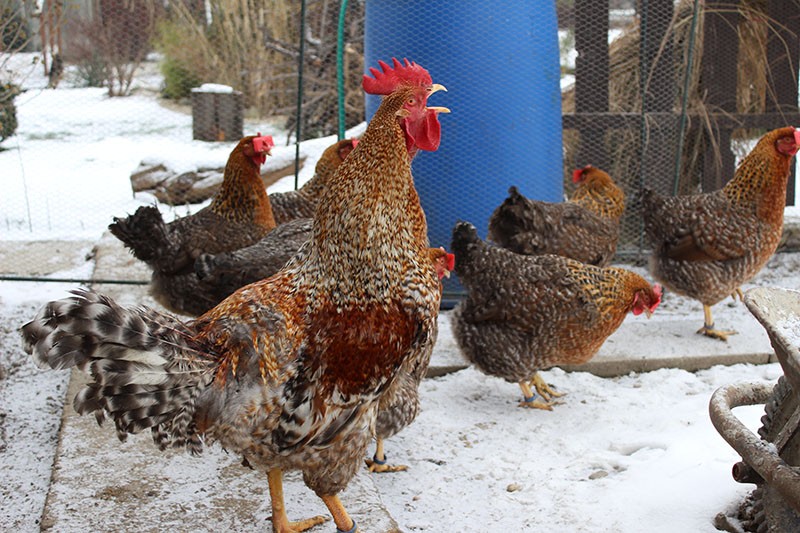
x: 221, y: 274
x: 301, y: 203
x: 526, y: 313
x: 705, y: 246
x: 288, y: 371
x: 585, y: 228
x: 239, y: 215
x: 399, y: 406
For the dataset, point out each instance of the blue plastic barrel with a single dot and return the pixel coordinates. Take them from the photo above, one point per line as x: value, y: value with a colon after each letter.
x: 500, y: 63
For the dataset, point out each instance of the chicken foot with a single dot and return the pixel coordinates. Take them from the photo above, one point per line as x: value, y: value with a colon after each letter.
x: 708, y: 327
x: 344, y: 524
x: 530, y: 400
x: 543, y: 388
x: 378, y: 462
x: 280, y: 521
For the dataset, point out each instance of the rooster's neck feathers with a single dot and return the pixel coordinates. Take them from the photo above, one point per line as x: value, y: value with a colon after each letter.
x: 370, y: 236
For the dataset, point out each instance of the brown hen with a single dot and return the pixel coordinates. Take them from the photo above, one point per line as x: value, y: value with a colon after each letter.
x: 239, y: 215
x: 527, y: 313
x: 289, y: 371
x: 585, y: 228
x: 301, y: 203
x: 705, y: 246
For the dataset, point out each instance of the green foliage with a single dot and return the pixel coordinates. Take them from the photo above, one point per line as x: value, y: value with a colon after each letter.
x: 8, y: 110
x: 178, y: 61
x: 178, y: 79
x: 92, y: 70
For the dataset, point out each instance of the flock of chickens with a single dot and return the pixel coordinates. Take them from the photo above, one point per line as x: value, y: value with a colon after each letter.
x: 316, y: 310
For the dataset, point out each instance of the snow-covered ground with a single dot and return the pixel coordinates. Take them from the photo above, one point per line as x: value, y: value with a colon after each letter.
x: 629, y: 454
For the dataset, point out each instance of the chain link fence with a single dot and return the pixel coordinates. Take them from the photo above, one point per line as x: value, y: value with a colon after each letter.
x: 656, y: 92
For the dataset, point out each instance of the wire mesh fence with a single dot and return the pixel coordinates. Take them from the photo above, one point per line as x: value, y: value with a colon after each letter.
x: 656, y: 92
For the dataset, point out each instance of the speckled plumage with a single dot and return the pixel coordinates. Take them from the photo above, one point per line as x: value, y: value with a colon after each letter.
x: 526, y: 313
x: 707, y: 245
x: 287, y: 371
x: 585, y: 228
x: 239, y: 215
x: 287, y: 206
x: 400, y: 405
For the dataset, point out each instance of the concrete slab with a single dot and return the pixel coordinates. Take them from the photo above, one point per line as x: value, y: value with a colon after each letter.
x: 133, y: 487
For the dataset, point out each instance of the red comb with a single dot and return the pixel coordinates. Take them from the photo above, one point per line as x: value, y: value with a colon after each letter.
x: 263, y: 143
x: 797, y: 136
x: 577, y: 174
x: 658, y: 292
x: 450, y: 261
x: 387, y: 79
x: 354, y: 142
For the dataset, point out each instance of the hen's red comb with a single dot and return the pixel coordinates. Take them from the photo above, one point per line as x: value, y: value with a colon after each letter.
x: 659, y: 292
x: 263, y: 143
x: 387, y: 79
x: 577, y: 174
x: 450, y: 261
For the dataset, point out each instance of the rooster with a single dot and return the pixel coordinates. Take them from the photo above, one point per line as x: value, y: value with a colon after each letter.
x: 399, y: 405
x: 585, y: 228
x: 301, y: 203
x: 526, y: 313
x: 705, y: 246
x: 239, y: 215
x: 289, y: 371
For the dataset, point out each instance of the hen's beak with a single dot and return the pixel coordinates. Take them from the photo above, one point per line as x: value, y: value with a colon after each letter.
x: 438, y: 109
x: 446, y: 273
x: 647, y: 312
x: 436, y: 87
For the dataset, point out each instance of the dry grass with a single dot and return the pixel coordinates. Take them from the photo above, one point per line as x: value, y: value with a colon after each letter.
x: 625, y: 94
x: 253, y: 46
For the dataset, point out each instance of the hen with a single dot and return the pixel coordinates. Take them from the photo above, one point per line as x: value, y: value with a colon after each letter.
x: 399, y: 405
x: 221, y: 274
x: 705, y: 246
x: 301, y: 203
x: 239, y: 215
x: 526, y: 313
x: 585, y: 228
x: 288, y: 371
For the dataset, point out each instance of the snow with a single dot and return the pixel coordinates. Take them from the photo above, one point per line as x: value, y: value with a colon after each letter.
x: 627, y: 454
x: 213, y: 88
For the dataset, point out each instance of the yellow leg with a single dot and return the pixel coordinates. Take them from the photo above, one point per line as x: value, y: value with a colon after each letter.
x: 543, y: 388
x: 708, y: 326
x: 340, y: 517
x: 737, y: 294
x: 280, y: 521
x: 530, y: 400
x: 378, y: 462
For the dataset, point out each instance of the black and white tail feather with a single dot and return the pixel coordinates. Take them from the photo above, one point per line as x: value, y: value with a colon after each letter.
x: 146, y: 369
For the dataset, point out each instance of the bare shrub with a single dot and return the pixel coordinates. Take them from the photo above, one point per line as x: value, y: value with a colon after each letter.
x: 253, y: 46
